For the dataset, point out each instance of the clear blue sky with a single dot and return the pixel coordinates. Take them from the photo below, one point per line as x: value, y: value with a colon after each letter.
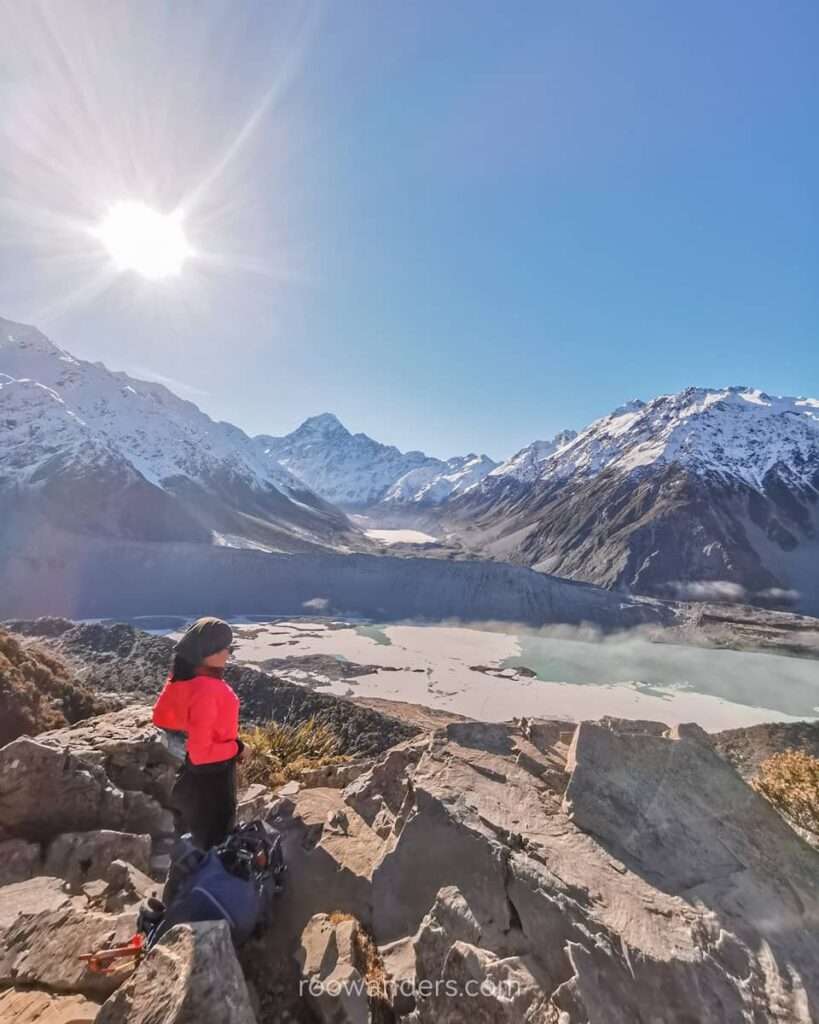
x: 456, y: 225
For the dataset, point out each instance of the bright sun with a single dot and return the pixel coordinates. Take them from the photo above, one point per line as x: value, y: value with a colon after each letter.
x: 138, y: 238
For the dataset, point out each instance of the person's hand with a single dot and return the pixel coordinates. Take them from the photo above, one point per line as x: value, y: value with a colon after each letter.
x: 240, y: 753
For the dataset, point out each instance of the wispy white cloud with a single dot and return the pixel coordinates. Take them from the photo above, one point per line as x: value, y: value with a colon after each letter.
x: 179, y: 386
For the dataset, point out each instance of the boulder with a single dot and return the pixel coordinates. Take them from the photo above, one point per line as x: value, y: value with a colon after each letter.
x: 19, y: 860
x: 191, y: 977
x: 671, y: 812
x: 42, y: 949
x: 332, y: 978
x: 253, y: 802
x: 134, y: 754
x: 673, y: 808
x: 80, y: 857
x: 656, y: 878
x: 334, y: 776
x: 126, y: 885
x: 45, y: 791
x: 329, y: 869
x: 690, y: 731
x: 111, y: 774
x: 145, y: 814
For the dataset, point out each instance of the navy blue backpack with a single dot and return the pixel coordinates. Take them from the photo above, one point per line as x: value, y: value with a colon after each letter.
x: 235, y: 882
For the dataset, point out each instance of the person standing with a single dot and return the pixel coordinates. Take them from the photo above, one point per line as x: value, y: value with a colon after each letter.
x: 197, y: 701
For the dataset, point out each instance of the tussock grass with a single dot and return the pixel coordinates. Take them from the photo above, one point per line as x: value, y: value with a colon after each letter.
x: 275, y: 753
x: 790, y: 781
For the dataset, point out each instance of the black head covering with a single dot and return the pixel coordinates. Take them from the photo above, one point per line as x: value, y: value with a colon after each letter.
x: 205, y: 637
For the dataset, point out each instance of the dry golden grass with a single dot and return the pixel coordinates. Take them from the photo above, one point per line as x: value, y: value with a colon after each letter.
x: 38, y: 692
x: 275, y: 753
x: 790, y: 781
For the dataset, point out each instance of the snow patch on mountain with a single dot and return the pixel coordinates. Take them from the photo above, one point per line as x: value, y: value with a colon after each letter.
x: 355, y: 471
x: 436, y: 481
x: 39, y: 433
x: 527, y: 465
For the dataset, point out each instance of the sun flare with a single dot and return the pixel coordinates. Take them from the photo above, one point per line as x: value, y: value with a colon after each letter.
x: 140, y: 239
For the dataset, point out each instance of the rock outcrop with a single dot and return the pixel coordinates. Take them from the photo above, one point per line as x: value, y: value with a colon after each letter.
x: 328, y: 958
x: 71, y: 881
x: 191, y: 977
x: 74, y: 800
x: 613, y: 873
x: 81, y: 857
x: 607, y: 873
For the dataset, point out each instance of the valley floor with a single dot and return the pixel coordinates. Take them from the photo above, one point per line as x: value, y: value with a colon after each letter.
x: 572, y: 674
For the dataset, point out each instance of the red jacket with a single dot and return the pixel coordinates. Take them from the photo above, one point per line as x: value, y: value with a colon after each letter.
x: 207, y: 710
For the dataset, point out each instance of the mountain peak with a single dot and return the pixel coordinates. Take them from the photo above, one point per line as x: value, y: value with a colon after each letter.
x: 23, y: 336
x: 325, y: 423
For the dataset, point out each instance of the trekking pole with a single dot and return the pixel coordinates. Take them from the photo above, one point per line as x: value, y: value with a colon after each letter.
x: 104, y: 961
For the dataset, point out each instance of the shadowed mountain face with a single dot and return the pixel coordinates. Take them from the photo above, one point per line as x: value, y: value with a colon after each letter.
x: 100, y: 578
x: 696, y: 496
x: 100, y: 453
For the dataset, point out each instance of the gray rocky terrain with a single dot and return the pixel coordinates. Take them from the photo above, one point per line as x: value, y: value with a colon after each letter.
x: 534, y: 871
x: 530, y: 872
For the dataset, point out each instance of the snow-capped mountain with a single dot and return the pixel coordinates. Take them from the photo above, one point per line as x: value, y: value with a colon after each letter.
x: 356, y: 472
x: 705, y: 486
x: 90, y: 447
x: 527, y: 465
x: 435, y: 481
x: 738, y: 432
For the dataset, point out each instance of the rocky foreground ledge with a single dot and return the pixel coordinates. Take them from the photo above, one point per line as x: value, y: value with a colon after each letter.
x: 532, y: 872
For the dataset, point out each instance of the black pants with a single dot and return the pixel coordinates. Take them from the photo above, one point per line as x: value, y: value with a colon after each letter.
x: 204, y: 802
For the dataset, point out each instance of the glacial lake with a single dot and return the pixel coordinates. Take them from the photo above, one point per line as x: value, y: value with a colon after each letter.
x: 496, y: 675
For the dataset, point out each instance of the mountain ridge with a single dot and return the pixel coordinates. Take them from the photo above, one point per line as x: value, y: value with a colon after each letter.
x: 676, y: 497
x: 140, y: 462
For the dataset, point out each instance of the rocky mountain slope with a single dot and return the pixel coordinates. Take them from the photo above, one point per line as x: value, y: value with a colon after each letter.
x: 703, y: 494
x: 38, y: 691
x: 355, y: 472
x: 100, y: 453
x: 532, y: 872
